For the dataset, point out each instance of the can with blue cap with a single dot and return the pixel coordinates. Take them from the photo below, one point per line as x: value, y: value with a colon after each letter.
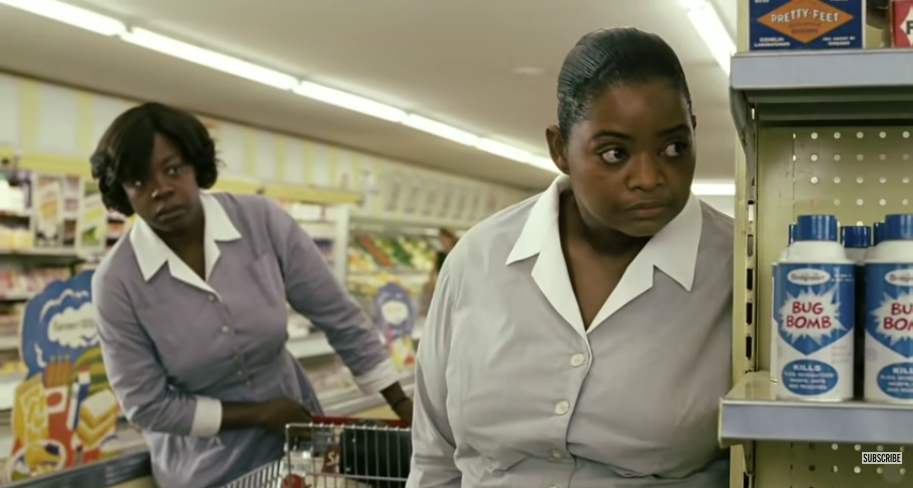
x: 857, y: 239
x: 815, y: 314
x: 774, y: 375
x: 888, y: 365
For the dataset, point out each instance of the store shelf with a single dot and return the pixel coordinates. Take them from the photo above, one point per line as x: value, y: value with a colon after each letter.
x: 819, y: 87
x: 842, y: 71
x: 9, y: 343
x: 751, y: 412
x: 16, y: 296
x: 40, y: 252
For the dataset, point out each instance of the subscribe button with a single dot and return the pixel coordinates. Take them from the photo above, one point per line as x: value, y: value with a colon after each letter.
x: 882, y: 458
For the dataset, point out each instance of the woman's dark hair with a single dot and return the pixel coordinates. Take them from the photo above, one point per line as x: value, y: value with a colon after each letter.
x: 124, y: 152
x: 613, y: 57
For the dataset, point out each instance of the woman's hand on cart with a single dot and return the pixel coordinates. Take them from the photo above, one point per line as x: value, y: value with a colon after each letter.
x: 276, y: 414
x: 403, y: 410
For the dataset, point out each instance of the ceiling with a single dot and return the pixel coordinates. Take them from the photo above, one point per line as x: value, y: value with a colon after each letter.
x: 455, y: 62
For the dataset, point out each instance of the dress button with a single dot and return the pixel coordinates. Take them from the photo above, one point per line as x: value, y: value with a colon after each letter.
x: 562, y: 407
x: 226, y: 329
x: 557, y: 454
x: 237, y: 357
x: 212, y: 298
x: 247, y: 382
x: 577, y: 360
x: 240, y: 372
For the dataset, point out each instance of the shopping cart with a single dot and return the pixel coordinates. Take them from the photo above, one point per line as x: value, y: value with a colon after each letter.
x: 338, y: 453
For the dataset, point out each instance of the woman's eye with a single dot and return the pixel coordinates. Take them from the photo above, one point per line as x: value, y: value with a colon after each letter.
x: 136, y: 184
x: 174, y: 170
x: 613, y: 156
x: 675, y: 149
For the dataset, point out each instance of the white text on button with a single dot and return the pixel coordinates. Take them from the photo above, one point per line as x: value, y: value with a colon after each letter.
x: 562, y: 407
x: 577, y: 360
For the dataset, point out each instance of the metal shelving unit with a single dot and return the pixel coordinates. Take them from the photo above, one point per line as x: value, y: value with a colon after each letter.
x: 823, y: 132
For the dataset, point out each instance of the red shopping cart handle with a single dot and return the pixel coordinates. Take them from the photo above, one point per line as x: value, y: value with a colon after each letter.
x: 349, y: 421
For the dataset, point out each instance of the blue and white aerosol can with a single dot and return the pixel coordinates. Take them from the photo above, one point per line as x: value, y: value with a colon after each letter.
x: 857, y: 239
x: 815, y: 314
x: 888, y: 369
x: 774, y: 375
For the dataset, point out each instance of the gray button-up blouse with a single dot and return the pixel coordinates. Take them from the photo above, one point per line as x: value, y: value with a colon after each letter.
x: 513, y: 391
x: 176, y: 345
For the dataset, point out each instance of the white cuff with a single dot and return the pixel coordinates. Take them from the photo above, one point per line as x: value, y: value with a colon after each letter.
x: 379, y: 378
x: 207, y: 419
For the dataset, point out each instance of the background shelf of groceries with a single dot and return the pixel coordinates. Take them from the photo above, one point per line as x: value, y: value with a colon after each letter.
x: 52, y: 226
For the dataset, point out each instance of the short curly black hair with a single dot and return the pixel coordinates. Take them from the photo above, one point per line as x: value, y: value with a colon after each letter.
x: 124, y: 152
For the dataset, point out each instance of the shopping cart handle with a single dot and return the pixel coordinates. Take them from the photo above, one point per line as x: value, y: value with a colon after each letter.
x: 350, y: 420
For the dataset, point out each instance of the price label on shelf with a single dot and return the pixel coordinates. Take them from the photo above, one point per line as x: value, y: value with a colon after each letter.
x: 462, y: 202
x: 394, y: 192
x: 411, y: 198
x: 431, y: 197
x: 446, y: 200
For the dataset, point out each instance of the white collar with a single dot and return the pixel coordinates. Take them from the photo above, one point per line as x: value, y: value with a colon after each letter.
x: 152, y: 253
x: 673, y: 251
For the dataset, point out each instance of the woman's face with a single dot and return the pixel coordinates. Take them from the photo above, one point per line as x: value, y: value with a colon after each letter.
x: 169, y: 198
x: 631, y: 162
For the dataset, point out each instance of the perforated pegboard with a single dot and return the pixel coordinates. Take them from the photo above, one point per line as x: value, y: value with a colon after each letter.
x: 859, y: 175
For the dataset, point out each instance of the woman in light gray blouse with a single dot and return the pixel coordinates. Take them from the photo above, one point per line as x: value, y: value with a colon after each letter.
x: 191, y: 307
x: 582, y: 338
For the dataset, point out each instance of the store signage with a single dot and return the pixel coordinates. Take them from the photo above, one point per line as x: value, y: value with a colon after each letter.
x: 64, y: 412
x: 806, y: 24
x: 901, y: 17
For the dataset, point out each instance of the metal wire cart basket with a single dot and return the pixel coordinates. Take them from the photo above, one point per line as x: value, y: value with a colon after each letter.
x: 338, y: 453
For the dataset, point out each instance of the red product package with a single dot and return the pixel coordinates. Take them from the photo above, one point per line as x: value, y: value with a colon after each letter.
x: 901, y: 18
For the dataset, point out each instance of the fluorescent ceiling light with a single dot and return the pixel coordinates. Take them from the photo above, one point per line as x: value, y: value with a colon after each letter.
x: 348, y: 101
x: 91, y: 21
x: 519, y: 155
x: 713, y: 189
x: 545, y: 163
x: 68, y: 14
x: 711, y: 30
x: 439, y: 129
x: 503, y: 150
x: 209, y: 59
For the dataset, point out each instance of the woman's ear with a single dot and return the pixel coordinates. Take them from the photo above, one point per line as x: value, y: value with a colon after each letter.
x: 557, y: 148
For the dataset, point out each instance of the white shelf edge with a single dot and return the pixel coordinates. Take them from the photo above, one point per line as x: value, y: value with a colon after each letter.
x: 751, y: 412
x: 9, y: 343
x: 871, y: 68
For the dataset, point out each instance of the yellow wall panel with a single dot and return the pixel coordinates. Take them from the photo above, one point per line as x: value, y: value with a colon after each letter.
x: 250, y: 152
x: 308, y: 162
x: 29, y: 119
x: 85, y: 117
x: 280, y: 157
